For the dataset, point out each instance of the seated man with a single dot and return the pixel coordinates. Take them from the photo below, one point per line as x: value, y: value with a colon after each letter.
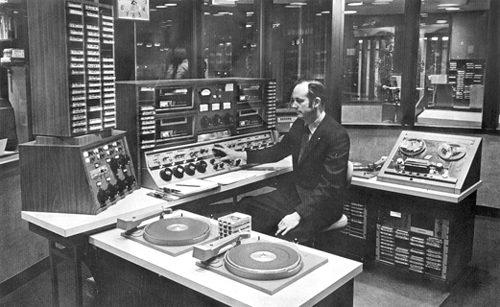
x: 320, y: 150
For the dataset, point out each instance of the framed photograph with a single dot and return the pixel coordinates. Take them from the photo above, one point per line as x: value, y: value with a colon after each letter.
x: 133, y: 9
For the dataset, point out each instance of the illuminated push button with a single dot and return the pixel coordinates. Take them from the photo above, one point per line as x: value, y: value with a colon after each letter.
x: 166, y: 174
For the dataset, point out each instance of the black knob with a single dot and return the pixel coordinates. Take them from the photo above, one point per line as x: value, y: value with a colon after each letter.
x: 120, y: 186
x: 179, y: 171
x: 205, y: 122
x: 228, y: 119
x: 201, y: 166
x: 129, y: 182
x: 166, y: 174
x: 113, y: 164
x: 102, y: 197
x: 190, y: 169
x: 111, y: 190
x: 216, y: 120
x: 123, y: 161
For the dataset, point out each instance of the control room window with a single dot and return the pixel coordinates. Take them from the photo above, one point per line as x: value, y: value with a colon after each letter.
x: 452, y: 58
x: 372, y: 62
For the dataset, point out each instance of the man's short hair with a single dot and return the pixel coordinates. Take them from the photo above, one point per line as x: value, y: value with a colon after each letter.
x: 315, y: 89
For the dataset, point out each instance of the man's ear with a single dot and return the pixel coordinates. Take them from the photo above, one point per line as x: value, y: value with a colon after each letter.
x: 317, y: 102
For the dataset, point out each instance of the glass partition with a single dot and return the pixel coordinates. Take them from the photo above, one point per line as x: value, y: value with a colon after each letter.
x: 452, y: 56
x: 230, y: 39
x: 299, y: 40
x: 198, y: 39
x: 372, y: 62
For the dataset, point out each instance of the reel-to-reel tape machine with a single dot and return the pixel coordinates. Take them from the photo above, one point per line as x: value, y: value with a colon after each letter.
x: 440, y: 162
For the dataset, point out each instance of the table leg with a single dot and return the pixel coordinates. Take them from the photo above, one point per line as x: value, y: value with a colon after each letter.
x: 53, y: 267
x: 77, y: 270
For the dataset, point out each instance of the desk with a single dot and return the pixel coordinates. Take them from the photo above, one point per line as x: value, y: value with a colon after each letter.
x: 72, y: 230
x: 336, y: 275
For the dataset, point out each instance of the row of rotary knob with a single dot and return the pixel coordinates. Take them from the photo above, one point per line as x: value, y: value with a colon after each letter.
x: 190, y: 169
x: 216, y: 121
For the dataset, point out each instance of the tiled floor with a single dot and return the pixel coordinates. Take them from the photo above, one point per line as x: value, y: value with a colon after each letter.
x: 481, y: 287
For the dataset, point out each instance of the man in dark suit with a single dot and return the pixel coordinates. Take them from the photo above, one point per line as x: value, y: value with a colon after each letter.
x: 314, y: 198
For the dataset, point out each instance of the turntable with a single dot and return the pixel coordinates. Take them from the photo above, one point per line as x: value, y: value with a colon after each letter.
x: 446, y: 163
x: 262, y: 265
x: 171, y: 232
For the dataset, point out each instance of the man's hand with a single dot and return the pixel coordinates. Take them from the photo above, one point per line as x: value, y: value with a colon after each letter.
x: 225, y: 153
x: 288, y: 223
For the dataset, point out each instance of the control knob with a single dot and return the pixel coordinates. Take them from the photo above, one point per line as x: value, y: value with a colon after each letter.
x: 190, y: 169
x: 113, y: 164
x: 129, y: 182
x: 205, y: 122
x: 120, y: 186
x: 166, y: 174
x: 102, y: 197
x: 228, y: 119
x: 111, y: 190
x: 216, y: 120
x: 201, y: 166
x: 123, y: 161
x: 179, y: 171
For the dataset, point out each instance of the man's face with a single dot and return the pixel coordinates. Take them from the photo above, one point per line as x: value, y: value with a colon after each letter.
x: 300, y: 102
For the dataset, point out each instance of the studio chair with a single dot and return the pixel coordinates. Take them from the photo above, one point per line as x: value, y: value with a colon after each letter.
x: 324, y: 239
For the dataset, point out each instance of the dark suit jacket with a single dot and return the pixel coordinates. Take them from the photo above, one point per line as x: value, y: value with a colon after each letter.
x: 320, y: 175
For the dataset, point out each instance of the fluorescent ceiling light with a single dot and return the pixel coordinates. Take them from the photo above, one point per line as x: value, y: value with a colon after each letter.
x: 452, y: 9
x: 448, y: 4
x: 350, y: 12
x: 441, y: 21
x: 355, y: 3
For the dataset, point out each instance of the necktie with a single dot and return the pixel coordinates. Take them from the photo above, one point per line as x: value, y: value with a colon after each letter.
x: 304, y: 141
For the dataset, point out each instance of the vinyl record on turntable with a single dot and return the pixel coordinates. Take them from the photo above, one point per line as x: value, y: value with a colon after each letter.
x: 263, y: 261
x: 177, y: 231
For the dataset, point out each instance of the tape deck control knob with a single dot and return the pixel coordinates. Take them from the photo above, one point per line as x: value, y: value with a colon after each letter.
x: 166, y: 174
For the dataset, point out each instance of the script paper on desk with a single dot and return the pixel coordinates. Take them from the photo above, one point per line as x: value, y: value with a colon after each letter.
x: 191, y: 186
x: 232, y: 177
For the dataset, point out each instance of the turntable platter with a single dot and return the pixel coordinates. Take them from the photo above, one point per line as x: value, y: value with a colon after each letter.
x: 263, y: 261
x: 177, y: 231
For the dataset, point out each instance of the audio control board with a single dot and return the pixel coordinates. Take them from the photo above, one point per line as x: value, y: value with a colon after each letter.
x: 109, y: 172
x: 82, y: 175
x: 165, y: 166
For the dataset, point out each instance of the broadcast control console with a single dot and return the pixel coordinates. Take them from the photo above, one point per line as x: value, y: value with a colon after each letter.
x: 174, y: 164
